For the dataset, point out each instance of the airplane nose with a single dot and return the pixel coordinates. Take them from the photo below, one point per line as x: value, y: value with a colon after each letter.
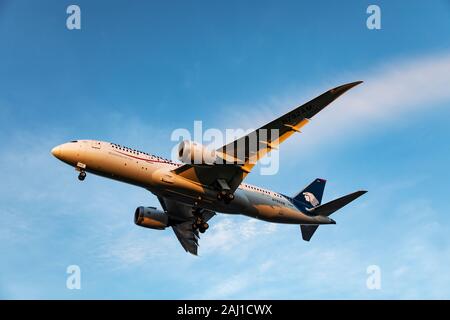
x: 56, y: 151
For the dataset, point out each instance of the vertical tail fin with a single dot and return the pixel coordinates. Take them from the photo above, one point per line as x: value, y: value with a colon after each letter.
x: 311, y: 196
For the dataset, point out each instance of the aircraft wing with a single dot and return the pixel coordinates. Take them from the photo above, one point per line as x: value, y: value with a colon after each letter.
x: 241, y: 155
x: 182, y: 218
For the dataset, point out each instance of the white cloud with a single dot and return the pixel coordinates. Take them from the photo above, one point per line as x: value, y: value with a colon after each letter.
x: 226, y: 233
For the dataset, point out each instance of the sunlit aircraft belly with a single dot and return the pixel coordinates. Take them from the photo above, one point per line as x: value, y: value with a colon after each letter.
x: 156, y: 176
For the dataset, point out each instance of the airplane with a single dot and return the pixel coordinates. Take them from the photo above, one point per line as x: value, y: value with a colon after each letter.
x: 192, y: 192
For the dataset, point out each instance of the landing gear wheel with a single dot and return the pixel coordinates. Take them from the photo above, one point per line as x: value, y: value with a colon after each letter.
x: 227, y: 197
x: 82, y: 176
x: 198, y: 222
x: 200, y: 225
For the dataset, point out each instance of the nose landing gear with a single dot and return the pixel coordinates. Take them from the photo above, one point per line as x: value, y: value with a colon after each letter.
x: 82, y: 176
x: 80, y: 168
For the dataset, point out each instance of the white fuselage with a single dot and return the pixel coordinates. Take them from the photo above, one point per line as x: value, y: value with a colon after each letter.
x: 155, y: 174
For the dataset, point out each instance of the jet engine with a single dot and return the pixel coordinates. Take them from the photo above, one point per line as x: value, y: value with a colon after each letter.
x: 149, y: 217
x: 191, y: 152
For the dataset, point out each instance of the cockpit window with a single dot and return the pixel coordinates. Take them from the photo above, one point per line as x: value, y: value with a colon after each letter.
x: 73, y: 141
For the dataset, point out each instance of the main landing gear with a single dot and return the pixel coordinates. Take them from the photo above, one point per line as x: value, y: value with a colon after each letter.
x: 199, y: 222
x: 225, y: 193
x: 200, y: 225
x: 226, y: 196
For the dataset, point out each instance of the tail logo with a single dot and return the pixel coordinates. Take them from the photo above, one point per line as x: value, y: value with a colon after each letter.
x: 310, y: 198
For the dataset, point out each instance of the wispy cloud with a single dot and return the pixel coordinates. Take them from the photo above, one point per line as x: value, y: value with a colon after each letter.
x: 241, y: 283
x: 395, y: 89
x: 227, y: 233
x: 228, y: 287
x: 129, y: 250
x: 390, y: 92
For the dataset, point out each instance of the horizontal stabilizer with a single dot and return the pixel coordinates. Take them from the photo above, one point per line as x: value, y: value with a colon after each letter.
x: 308, y: 231
x: 332, y: 206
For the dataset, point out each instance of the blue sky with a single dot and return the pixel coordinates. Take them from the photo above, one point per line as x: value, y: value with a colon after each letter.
x: 137, y: 71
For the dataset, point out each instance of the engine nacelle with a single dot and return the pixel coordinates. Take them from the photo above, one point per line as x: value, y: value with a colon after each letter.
x: 191, y: 152
x: 149, y: 217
